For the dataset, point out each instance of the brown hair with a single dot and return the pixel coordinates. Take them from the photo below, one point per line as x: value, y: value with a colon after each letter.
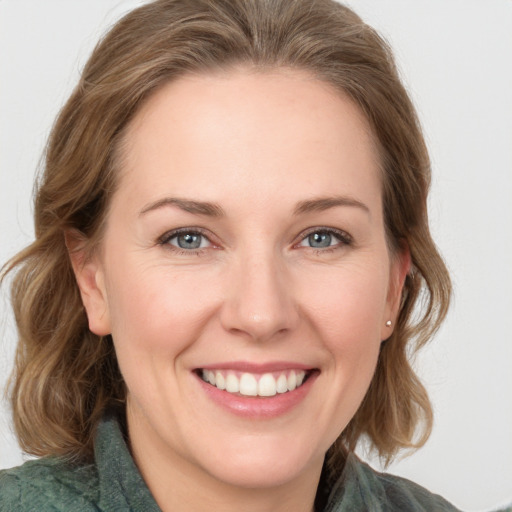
x: 65, y: 376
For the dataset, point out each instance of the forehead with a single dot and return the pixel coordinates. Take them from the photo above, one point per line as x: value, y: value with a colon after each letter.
x: 248, y: 129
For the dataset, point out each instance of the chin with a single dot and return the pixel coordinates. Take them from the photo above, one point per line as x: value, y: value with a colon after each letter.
x: 264, y: 464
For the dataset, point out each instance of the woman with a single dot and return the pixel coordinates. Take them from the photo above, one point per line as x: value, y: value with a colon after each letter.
x: 231, y: 238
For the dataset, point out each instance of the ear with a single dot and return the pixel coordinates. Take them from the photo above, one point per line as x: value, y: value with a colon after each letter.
x: 400, y: 266
x: 90, y: 278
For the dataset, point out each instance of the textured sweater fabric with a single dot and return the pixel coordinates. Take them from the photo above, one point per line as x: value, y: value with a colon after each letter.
x: 113, y: 484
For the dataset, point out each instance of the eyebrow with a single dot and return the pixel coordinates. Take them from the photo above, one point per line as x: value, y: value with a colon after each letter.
x: 325, y: 203
x: 214, y: 210
x: 187, y: 205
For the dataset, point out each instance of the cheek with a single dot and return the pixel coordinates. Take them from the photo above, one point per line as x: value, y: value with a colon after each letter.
x: 353, y: 341
x: 347, y: 309
x: 348, y: 304
x: 156, y: 312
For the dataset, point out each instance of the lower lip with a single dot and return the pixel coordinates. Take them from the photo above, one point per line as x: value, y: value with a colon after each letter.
x: 258, y: 407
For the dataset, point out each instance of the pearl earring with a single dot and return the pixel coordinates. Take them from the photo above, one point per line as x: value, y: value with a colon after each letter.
x: 389, y: 323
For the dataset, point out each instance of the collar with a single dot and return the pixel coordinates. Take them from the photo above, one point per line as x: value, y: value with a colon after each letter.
x: 120, y: 483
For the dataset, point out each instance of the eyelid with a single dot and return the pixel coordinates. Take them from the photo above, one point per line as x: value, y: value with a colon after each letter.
x: 343, y: 236
x: 168, y: 235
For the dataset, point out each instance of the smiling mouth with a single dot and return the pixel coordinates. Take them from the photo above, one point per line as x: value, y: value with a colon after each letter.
x: 253, y: 384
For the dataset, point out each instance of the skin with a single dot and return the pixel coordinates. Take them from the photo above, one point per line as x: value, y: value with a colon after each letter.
x: 257, y: 145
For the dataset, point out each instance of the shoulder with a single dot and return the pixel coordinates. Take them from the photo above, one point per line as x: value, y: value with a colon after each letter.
x: 402, y: 494
x: 362, y: 488
x: 111, y: 482
x: 48, y: 484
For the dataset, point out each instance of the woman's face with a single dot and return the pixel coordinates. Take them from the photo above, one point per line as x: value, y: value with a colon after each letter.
x: 245, y: 246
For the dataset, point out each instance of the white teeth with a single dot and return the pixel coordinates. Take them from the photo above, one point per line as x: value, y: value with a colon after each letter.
x: 282, y: 384
x: 220, y: 381
x: 267, y: 385
x: 292, y: 381
x: 232, y: 383
x: 248, y: 384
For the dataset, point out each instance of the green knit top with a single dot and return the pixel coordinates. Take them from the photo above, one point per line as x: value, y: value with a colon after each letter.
x: 113, y: 483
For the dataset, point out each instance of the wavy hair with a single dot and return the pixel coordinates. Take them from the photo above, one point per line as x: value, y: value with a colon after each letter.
x: 65, y: 377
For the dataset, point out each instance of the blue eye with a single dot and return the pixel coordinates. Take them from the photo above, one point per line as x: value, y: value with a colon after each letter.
x: 187, y: 240
x: 320, y: 240
x: 324, y: 238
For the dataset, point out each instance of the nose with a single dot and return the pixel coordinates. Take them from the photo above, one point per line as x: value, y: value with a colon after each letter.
x: 259, y: 303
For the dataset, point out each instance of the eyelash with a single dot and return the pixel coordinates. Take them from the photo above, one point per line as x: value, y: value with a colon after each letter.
x: 165, y: 239
x: 344, y: 238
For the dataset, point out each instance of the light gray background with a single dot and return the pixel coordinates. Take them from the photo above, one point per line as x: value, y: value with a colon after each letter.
x: 456, y: 59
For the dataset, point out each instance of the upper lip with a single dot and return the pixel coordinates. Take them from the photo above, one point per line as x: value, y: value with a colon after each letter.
x: 250, y: 367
